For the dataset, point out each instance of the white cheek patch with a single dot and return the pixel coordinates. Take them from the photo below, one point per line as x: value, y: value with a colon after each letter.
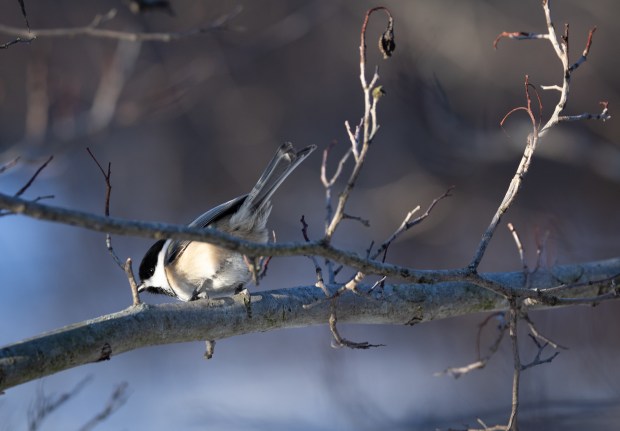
x: 159, y: 278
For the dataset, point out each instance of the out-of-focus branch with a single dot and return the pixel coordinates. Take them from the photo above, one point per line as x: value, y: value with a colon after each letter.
x: 117, y: 399
x: 44, y: 405
x: 111, y: 85
x: 14, y: 42
x: 93, y: 29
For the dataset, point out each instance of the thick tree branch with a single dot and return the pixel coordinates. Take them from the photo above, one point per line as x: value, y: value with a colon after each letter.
x: 118, y: 226
x: 147, y: 325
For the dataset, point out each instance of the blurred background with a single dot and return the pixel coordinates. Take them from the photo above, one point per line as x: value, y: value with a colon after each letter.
x: 189, y: 124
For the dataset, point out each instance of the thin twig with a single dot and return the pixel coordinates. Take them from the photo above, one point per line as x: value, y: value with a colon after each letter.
x: 8, y: 165
x: 515, y: 184
x: 407, y: 224
x: 519, y: 245
x: 518, y: 35
x: 108, y: 185
x: 265, y: 260
x: 369, y: 124
x: 359, y: 219
x: 481, y: 362
x: 534, y: 332
x: 33, y: 177
x: 340, y: 341
x: 537, y: 359
x: 15, y: 41
x: 45, y: 405
x: 132, y: 283
x: 513, y: 320
x: 561, y: 50
x: 108, y: 191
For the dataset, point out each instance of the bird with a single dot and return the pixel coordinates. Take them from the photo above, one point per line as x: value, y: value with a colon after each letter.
x: 190, y: 270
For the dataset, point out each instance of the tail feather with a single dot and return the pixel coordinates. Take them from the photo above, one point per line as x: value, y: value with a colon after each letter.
x: 281, y: 165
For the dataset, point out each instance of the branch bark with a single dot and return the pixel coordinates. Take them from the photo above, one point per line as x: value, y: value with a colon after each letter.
x: 148, y: 325
x: 119, y: 226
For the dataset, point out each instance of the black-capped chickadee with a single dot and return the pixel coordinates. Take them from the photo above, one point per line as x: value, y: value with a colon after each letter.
x: 190, y: 270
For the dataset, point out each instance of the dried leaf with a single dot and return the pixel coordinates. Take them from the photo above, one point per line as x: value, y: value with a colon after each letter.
x: 387, y: 45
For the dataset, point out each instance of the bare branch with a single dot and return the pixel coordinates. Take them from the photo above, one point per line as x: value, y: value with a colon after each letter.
x: 340, y: 341
x: 8, y: 165
x: 45, y: 405
x: 603, y: 115
x: 362, y: 264
x: 14, y: 42
x: 561, y: 49
x: 538, y: 360
x: 361, y: 144
x: 515, y: 184
x: 132, y: 283
x: 108, y: 191
x: 363, y: 221
x: 535, y: 333
x: 114, y: 225
x: 513, y: 321
x: 117, y: 399
x: 482, y: 361
x: 517, y: 240
x: 518, y: 35
x: 407, y: 223
x: 215, y: 319
x: 93, y: 30
x: 33, y: 177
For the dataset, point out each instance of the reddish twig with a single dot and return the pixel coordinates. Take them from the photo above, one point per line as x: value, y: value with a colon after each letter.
x: 518, y: 35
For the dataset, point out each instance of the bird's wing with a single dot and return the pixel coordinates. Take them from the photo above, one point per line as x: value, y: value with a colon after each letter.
x: 177, y: 247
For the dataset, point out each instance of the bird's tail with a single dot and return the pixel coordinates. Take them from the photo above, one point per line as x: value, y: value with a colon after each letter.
x: 281, y: 165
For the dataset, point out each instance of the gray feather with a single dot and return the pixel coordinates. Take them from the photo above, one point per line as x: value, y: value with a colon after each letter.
x: 176, y: 248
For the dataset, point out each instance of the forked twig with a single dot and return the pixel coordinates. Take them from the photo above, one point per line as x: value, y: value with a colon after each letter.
x: 361, y: 140
x: 561, y: 49
x: 108, y: 191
